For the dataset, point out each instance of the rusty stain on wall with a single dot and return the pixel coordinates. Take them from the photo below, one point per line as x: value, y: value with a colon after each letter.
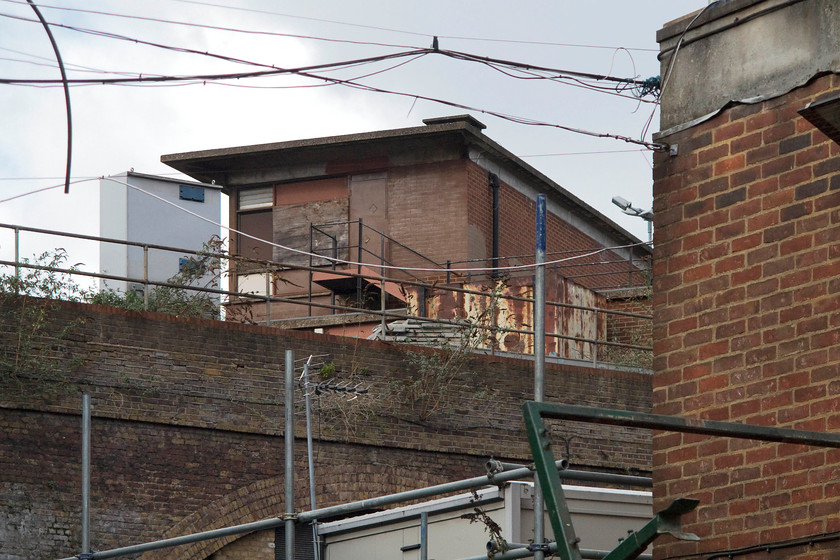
x: 497, y: 310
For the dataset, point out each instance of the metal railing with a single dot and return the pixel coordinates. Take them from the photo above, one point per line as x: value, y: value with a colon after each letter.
x: 636, y: 270
x: 600, y: 348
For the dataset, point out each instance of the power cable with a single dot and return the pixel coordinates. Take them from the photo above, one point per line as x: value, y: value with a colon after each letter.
x: 332, y: 259
x: 52, y: 64
x: 215, y: 27
x: 504, y: 116
x: 28, y: 193
x: 561, y: 73
x: 414, y: 33
x: 349, y: 83
x: 526, y: 66
x: 117, y: 36
x: 273, y: 71
x: 667, y: 76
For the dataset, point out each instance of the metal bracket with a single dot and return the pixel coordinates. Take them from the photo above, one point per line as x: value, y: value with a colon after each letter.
x: 666, y: 521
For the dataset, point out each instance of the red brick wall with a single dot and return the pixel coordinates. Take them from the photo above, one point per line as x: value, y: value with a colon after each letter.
x: 188, y: 422
x: 427, y: 212
x: 747, y: 321
x: 517, y: 236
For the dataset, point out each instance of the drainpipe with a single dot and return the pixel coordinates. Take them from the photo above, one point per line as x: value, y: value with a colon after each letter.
x: 493, y: 181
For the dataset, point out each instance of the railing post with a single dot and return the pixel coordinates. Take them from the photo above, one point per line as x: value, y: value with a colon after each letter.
x: 383, y: 293
x: 311, y: 264
x: 17, y: 260
x: 359, y: 266
x: 267, y: 297
x: 595, y: 340
x: 448, y: 266
x: 145, y: 277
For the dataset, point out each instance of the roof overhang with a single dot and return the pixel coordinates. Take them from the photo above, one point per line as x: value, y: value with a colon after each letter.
x: 445, y: 137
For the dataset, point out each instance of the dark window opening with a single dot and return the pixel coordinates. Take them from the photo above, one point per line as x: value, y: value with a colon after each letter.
x: 259, y: 225
x: 196, y: 194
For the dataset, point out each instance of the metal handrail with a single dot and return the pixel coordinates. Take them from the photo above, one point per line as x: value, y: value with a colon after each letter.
x: 270, y: 268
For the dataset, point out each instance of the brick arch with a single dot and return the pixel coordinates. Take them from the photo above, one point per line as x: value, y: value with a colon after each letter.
x: 259, y: 500
x: 344, y: 473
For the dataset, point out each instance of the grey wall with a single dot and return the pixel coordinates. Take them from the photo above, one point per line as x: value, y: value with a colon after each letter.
x: 742, y: 49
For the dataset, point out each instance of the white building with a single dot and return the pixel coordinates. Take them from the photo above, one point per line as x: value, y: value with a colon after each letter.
x: 150, y: 210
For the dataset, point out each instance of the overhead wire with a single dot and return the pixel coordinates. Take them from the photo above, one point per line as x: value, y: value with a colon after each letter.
x: 327, y: 258
x: 497, y: 114
x: 109, y: 35
x: 307, y: 72
x: 51, y: 64
x: 561, y: 75
x: 214, y: 27
x: 667, y: 76
x: 406, y: 32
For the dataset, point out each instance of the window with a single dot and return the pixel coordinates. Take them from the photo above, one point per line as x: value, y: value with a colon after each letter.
x: 196, y: 194
x: 253, y: 199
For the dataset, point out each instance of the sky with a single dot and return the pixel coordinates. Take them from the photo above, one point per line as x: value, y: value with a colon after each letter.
x: 129, y: 126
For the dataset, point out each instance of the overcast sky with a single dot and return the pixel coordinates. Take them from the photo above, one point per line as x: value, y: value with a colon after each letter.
x: 119, y: 127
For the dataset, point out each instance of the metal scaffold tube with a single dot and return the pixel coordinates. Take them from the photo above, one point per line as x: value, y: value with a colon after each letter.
x: 353, y: 507
x: 85, y: 474
x: 289, y: 473
x: 310, y: 457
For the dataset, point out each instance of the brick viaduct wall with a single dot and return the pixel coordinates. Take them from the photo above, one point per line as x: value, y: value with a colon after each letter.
x: 746, y: 322
x: 188, y: 423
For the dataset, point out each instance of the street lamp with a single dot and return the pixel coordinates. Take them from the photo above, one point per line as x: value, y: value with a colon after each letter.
x: 628, y: 208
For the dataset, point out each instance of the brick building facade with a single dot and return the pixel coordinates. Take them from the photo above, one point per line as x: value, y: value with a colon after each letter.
x: 433, y: 197
x: 187, y: 428
x: 746, y: 267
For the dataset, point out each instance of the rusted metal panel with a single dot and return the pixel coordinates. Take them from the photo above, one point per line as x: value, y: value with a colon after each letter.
x: 578, y: 323
x: 497, y: 310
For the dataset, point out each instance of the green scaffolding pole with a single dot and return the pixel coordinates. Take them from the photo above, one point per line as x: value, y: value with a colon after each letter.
x: 666, y: 521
